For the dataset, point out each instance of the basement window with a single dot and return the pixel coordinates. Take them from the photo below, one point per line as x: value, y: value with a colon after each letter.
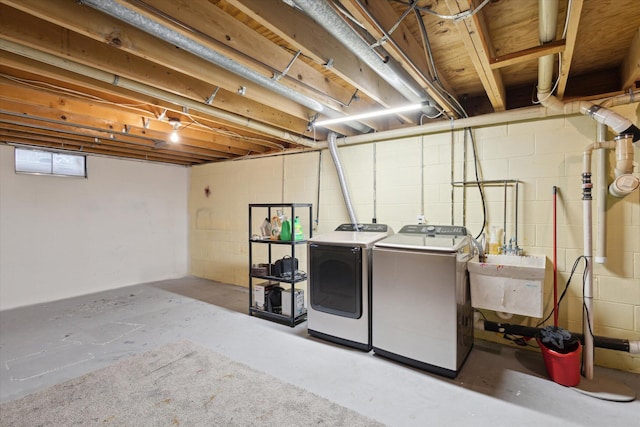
x: 41, y: 162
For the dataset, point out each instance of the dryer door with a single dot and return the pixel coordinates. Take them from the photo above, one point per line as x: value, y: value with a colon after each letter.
x: 335, y: 279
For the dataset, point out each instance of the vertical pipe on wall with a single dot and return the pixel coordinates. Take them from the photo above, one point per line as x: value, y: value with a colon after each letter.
x: 375, y: 186
x: 588, y: 279
x: 601, y: 196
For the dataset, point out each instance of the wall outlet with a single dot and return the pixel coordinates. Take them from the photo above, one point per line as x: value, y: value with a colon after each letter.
x: 421, y: 219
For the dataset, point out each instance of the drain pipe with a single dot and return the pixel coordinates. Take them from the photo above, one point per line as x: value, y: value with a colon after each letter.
x: 618, y: 344
x: 601, y: 196
x: 343, y: 183
x: 548, y: 10
x: 328, y: 18
x: 137, y: 20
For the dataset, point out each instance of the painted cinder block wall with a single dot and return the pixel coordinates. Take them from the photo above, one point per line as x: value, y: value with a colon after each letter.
x: 61, y: 237
x: 413, y: 176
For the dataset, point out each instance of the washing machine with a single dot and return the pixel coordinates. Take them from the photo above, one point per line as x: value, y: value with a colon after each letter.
x: 340, y: 283
x: 421, y: 302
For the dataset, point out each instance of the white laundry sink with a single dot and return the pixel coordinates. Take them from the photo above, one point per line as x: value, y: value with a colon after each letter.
x: 508, y: 283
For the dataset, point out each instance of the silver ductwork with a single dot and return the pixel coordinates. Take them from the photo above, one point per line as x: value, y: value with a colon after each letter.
x: 322, y: 12
x: 137, y: 20
x: 343, y: 182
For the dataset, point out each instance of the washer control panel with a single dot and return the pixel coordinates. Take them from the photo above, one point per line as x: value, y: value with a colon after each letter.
x: 435, y: 230
x: 375, y: 228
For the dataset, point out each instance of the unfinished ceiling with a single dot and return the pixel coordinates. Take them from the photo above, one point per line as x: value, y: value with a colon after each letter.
x: 240, y: 78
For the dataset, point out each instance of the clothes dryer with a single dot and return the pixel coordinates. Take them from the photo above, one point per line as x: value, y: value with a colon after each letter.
x: 340, y: 284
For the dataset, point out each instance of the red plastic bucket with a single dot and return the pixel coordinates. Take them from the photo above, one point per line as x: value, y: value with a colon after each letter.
x: 563, y: 368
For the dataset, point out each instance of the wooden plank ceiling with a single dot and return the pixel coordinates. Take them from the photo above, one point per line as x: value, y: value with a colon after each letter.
x: 242, y: 78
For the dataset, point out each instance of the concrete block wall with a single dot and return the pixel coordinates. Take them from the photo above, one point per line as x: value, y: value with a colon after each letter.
x: 62, y: 237
x: 395, y: 181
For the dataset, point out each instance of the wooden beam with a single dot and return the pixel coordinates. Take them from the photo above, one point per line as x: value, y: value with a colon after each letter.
x: 29, y: 31
x: 16, y: 137
x: 120, y: 36
x: 631, y: 63
x: 209, y: 25
x: 527, y: 54
x: 34, y: 131
x: 37, y: 71
x: 571, y: 37
x: 113, y: 118
x: 404, y: 48
x: 473, y: 31
x: 304, y: 34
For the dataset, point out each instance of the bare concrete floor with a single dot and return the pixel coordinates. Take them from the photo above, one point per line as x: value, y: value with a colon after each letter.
x: 46, y: 344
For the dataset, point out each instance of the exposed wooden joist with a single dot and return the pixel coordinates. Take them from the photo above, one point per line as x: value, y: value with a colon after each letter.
x: 571, y: 37
x: 302, y: 32
x: 209, y: 24
x: 37, y: 132
x: 631, y: 63
x: 473, y: 32
x: 111, y: 117
x: 42, y: 72
x: 11, y: 137
x: 120, y: 36
x: 405, y: 49
x: 527, y: 54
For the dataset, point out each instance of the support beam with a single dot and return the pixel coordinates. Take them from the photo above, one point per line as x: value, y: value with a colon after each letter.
x: 403, y: 46
x: 571, y: 37
x: 631, y: 64
x: 473, y: 31
x: 304, y: 34
x: 527, y: 54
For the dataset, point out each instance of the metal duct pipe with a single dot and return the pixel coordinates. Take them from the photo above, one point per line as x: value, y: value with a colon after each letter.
x: 328, y: 18
x: 618, y: 344
x: 142, y: 88
x: 131, y: 17
x: 343, y: 183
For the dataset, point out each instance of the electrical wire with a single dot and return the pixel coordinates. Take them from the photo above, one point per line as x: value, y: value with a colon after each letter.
x: 475, y: 164
x: 457, y: 17
x: 566, y: 287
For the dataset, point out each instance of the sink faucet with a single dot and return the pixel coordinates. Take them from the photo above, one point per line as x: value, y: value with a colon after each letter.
x: 512, y: 249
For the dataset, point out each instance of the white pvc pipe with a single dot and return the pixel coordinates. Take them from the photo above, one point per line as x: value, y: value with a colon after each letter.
x: 547, y: 24
x: 602, y: 189
x: 588, y: 278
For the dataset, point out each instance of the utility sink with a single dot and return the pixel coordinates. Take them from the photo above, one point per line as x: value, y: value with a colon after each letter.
x: 508, y: 283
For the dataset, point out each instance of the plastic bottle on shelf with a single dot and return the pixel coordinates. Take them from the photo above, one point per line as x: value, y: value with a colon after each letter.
x: 285, y: 232
x: 298, y: 234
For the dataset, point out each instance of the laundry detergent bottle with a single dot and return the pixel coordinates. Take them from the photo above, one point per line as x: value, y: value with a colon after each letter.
x: 285, y: 233
x: 298, y: 234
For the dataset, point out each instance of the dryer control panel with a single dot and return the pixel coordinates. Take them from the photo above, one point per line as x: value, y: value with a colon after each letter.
x: 435, y: 230
x: 374, y: 228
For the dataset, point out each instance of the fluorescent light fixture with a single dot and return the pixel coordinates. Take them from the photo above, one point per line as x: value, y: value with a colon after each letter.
x: 369, y: 115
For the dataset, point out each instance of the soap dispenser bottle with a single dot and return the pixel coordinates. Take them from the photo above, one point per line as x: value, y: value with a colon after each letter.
x: 494, y: 240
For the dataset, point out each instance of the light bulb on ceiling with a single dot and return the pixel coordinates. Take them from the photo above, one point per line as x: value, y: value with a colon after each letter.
x: 174, y: 137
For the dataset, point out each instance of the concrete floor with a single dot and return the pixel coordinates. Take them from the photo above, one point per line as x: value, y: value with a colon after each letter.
x: 46, y: 344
